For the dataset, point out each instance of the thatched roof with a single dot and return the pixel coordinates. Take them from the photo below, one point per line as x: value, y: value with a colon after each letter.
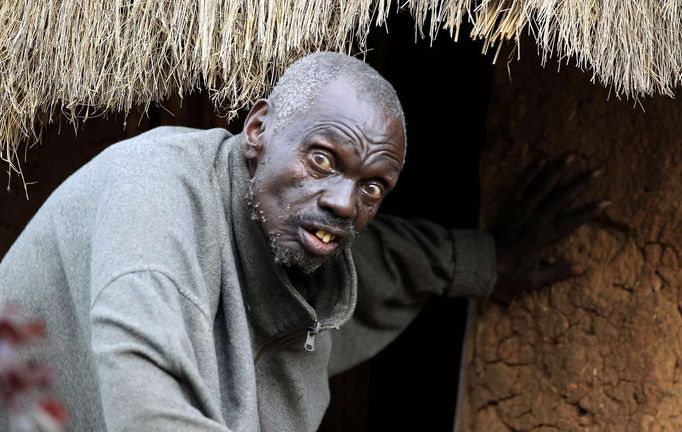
x: 85, y: 57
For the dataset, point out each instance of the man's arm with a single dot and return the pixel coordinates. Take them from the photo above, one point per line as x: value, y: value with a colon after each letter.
x: 149, y: 377
x: 400, y: 265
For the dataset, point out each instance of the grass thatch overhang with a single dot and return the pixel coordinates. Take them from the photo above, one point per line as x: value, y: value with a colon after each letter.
x: 87, y: 57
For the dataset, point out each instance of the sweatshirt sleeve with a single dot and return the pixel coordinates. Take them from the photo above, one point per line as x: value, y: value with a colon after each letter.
x: 148, y: 373
x: 400, y: 265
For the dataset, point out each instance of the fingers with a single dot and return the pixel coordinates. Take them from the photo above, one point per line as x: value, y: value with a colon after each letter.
x: 546, y: 181
x: 562, y: 197
x: 529, y: 176
x: 504, y: 295
x: 576, y: 218
x: 547, y: 275
x: 510, y: 213
x: 510, y: 287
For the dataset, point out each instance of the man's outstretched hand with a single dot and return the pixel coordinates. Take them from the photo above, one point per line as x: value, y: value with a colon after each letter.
x: 536, y: 215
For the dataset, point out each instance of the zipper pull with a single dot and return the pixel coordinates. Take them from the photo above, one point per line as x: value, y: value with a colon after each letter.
x: 310, y: 338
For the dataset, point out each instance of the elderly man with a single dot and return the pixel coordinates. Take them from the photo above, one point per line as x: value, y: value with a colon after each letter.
x: 197, y: 281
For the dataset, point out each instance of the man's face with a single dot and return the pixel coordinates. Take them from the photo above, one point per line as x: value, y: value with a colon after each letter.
x: 321, y: 179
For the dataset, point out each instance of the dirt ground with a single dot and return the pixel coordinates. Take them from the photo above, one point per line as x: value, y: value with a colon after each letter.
x: 602, y: 352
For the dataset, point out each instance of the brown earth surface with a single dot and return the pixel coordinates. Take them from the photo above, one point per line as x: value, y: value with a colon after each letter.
x: 601, y: 352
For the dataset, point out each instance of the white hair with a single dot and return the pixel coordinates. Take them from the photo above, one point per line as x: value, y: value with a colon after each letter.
x: 299, y: 86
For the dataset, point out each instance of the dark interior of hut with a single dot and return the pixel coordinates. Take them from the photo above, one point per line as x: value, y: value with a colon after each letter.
x: 444, y: 87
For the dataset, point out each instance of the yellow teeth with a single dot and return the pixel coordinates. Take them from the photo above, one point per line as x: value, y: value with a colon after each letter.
x: 324, y: 236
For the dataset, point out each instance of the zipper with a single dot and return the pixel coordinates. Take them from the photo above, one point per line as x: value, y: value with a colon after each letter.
x: 287, y: 338
x: 310, y: 338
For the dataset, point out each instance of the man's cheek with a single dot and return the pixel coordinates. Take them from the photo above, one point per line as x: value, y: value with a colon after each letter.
x: 362, y: 221
x: 294, y: 182
x: 365, y: 216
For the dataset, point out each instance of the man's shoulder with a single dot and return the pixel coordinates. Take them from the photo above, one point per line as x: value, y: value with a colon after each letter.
x: 163, y: 155
x: 165, y: 167
x: 165, y: 133
x: 168, y: 144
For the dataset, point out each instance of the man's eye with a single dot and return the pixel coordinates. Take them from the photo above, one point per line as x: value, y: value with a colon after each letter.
x: 322, y: 160
x: 373, y: 190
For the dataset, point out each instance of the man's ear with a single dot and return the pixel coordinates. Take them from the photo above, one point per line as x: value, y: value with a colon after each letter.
x: 254, y: 126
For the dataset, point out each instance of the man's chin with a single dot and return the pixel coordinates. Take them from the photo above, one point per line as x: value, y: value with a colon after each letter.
x: 296, y: 258
x: 304, y: 267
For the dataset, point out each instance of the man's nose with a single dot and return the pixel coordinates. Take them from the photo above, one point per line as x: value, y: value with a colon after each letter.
x: 339, y: 197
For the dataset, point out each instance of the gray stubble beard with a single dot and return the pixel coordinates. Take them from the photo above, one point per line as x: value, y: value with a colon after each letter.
x: 283, y: 255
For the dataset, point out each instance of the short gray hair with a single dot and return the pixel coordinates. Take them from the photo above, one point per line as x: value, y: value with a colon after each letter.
x: 299, y: 86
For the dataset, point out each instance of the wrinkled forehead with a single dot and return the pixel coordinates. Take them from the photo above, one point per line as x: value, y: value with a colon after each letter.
x: 341, y: 103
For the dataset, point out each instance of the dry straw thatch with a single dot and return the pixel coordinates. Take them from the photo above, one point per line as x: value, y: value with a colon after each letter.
x: 88, y: 57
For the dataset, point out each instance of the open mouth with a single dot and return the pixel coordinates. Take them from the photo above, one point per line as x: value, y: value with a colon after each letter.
x: 320, y: 241
x: 324, y: 236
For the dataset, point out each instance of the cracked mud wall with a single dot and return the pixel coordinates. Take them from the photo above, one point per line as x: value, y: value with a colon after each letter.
x: 602, y: 352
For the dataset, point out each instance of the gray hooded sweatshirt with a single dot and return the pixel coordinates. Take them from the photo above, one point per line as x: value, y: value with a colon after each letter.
x: 164, y: 307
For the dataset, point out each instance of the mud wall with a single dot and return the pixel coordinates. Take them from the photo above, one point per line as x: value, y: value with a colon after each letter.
x: 601, y: 352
